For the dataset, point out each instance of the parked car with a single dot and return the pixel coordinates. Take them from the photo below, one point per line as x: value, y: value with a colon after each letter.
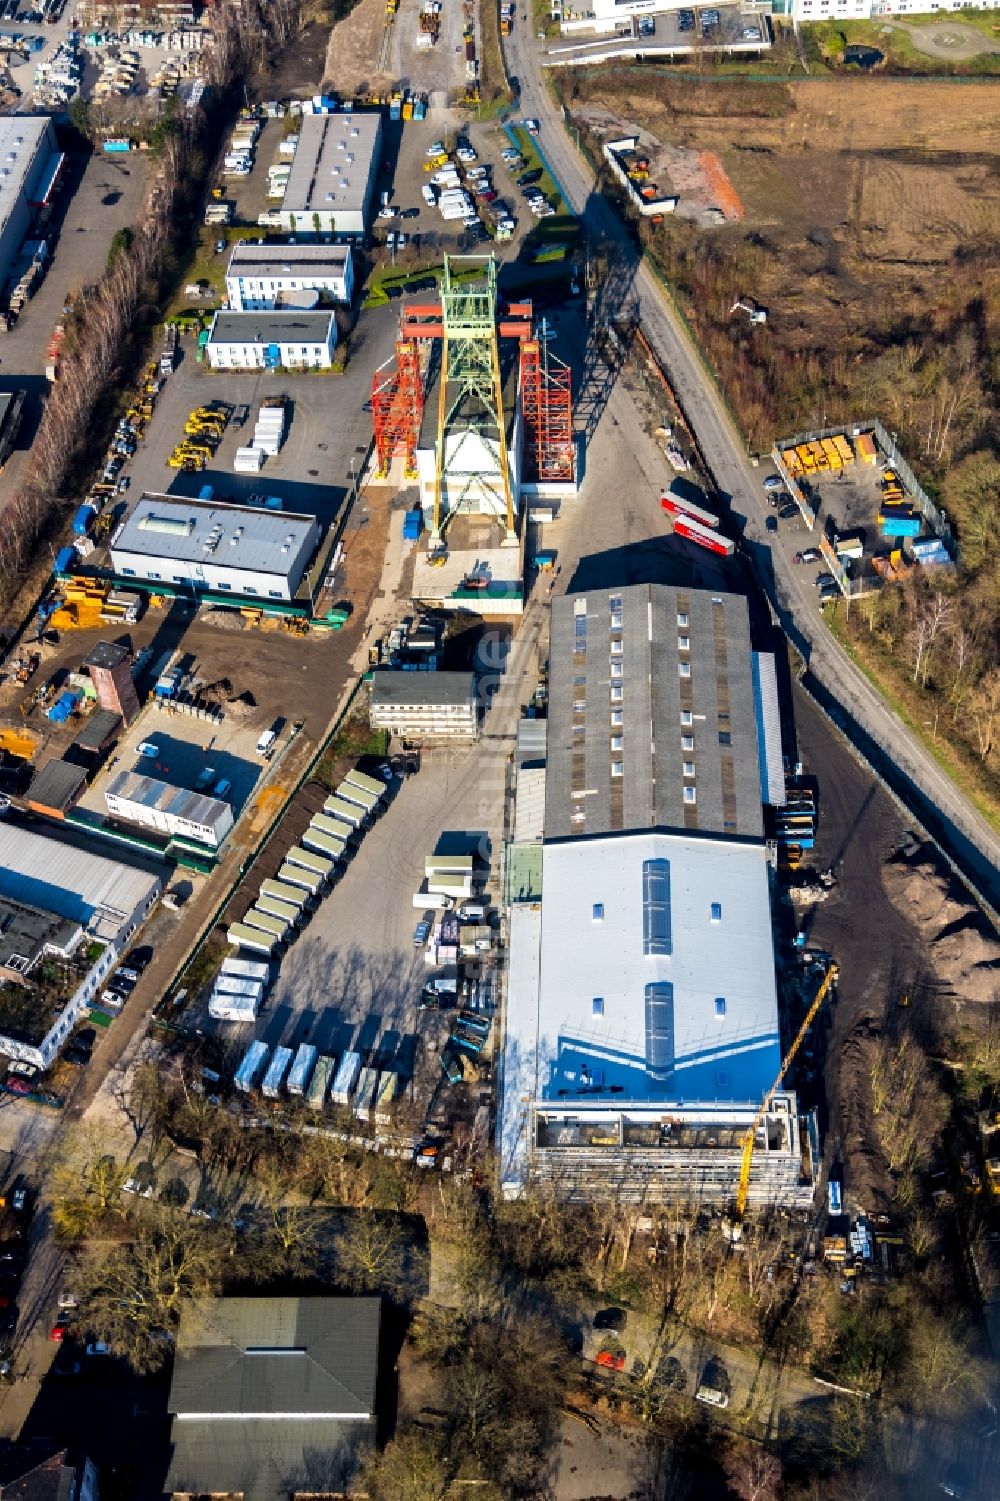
x: 531, y: 126
x: 61, y: 1327
x: 808, y: 555
x: 97, y: 1347
x: 788, y: 512
x: 824, y: 578
x: 421, y: 933
x: 773, y: 482
x: 68, y: 1299
x: 771, y: 523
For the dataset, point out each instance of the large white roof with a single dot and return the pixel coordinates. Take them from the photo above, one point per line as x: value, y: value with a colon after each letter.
x: 715, y: 1032
x: 56, y: 875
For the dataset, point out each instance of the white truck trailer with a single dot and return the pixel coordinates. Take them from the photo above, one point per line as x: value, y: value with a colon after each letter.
x: 276, y: 1071
x: 300, y: 1072
x: 251, y: 1067
x: 346, y: 1077
x: 364, y: 1096
x: 319, y: 1087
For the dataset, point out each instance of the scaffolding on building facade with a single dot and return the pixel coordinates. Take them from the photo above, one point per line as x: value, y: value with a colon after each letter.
x: 547, y: 408
x: 397, y: 409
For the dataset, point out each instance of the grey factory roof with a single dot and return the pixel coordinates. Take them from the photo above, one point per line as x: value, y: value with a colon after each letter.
x: 25, y: 930
x: 264, y: 1386
x: 57, y: 872
x: 390, y: 688
x: 98, y: 729
x: 271, y: 328
x: 651, y: 714
x: 106, y: 655
x: 273, y: 260
x: 56, y: 784
x: 179, y: 802
x: 202, y: 532
x: 331, y: 167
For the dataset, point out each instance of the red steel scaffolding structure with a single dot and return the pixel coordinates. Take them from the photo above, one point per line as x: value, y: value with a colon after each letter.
x: 397, y: 408
x: 547, y: 408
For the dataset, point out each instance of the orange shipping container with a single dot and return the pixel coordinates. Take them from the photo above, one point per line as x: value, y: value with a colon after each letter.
x: 865, y: 448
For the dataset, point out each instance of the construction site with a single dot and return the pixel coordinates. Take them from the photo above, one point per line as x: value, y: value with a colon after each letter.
x: 474, y: 412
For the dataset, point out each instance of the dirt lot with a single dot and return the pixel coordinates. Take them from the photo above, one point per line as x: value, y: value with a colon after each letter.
x: 363, y: 59
x: 848, y: 186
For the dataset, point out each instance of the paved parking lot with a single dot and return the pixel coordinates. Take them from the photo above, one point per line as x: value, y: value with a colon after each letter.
x: 186, y: 748
x: 329, y: 427
x: 99, y: 197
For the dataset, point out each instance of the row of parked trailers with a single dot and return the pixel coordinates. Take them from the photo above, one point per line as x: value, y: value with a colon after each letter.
x: 318, y: 1079
x: 281, y: 904
x: 796, y: 824
x: 696, y: 524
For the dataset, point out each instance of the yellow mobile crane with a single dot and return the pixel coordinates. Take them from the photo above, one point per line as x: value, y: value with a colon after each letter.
x: 749, y: 1141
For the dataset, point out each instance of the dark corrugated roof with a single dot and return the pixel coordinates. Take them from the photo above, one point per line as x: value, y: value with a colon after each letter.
x: 391, y: 687
x: 244, y: 1364
x: 56, y: 784
x: 98, y: 729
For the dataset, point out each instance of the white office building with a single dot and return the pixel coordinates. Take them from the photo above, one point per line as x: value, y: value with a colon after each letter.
x: 167, y: 809
x: 279, y: 340
x: 332, y: 181
x: 281, y: 277
x: 251, y: 553
x: 425, y: 705
x: 57, y: 888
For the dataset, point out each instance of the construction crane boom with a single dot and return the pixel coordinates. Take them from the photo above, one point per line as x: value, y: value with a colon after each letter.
x: 750, y: 1139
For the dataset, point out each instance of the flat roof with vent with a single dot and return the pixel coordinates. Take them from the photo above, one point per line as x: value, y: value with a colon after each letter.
x: 331, y: 168
x: 250, y: 538
x: 272, y: 261
x: 282, y: 328
x: 23, y: 140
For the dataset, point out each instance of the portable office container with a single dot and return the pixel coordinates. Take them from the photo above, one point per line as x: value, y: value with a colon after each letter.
x: 450, y: 865
x: 324, y: 844
x: 319, y: 1085
x: 297, y: 875
x: 241, y: 935
x: 276, y: 926
x: 252, y: 990
x: 325, y: 823
x: 343, y: 1084
x: 283, y: 911
x: 316, y: 863
x: 364, y: 1096
x: 246, y: 969
x: 301, y: 1070
x: 349, y: 813
x: 283, y: 892
x: 231, y: 1008
x: 276, y: 1071
x: 366, y: 783
x: 251, y: 1067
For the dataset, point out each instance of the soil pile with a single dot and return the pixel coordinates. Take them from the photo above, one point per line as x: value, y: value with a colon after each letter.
x: 962, y: 948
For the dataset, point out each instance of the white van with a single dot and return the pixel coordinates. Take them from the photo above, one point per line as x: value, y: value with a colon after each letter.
x: 712, y: 1396
x: 266, y: 743
x: 473, y: 911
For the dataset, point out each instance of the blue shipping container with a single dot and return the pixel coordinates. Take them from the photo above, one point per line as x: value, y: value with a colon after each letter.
x: 901, y: 526
x: 82, y: 520
x: 64, y: 559
x: 413, y: 523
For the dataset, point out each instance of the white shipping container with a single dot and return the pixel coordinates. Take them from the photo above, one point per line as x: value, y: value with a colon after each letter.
x: 246, y: 969
x: 297, y: 875
x: 249, y: 1070
x: 343, y: 1084
x: 301, y: 1070
x: 248, y: 461
x: 276, y: 1071
x: 244, y: 937
x: 231, y: 1008
x: 385, y: 1094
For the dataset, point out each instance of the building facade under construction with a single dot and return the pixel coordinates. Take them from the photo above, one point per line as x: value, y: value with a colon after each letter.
x: 641, y: 1024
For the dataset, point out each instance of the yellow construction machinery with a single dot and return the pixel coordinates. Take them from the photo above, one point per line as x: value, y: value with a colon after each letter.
x: 735, y: 1225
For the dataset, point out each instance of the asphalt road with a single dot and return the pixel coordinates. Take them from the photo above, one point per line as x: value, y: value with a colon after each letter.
x: 864, y: 715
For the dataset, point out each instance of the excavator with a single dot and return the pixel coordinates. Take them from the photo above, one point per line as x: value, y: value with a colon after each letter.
x: 734, y: 1225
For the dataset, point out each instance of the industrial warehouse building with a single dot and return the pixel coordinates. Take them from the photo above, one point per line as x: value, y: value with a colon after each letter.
x: 175, y: 811
x: 283, y: 340
x: 249, y: 552
x: 425, y: 705
x: 30, y: 167
x: 58, y: 898
x: 642, y: 1017
x: 332, y: 181
x: 284, y: 276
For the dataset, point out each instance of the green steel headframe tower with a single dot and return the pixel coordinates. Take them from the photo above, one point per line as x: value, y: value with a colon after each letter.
x: 471, y: 396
